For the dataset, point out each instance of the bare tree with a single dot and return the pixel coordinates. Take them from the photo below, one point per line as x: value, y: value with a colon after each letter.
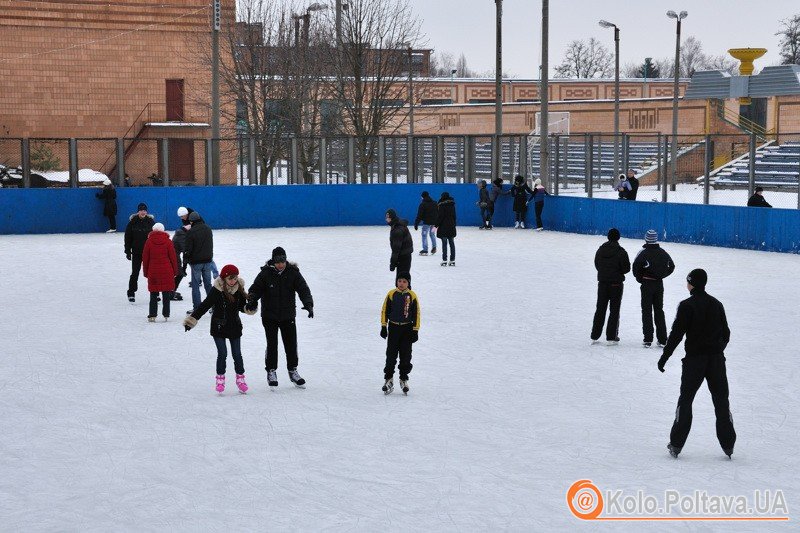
x: 462, y: 69
x: 372, y: 71
x: 790, y: 41
x: 586, y: 59
x: 723, y: 63
x: 442, y: 64
x: 692, y: 57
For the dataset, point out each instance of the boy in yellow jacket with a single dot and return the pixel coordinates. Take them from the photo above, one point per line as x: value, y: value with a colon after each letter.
x: 400, y: 326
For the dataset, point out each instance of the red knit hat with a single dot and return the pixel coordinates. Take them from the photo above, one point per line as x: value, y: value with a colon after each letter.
x: 229, y: 270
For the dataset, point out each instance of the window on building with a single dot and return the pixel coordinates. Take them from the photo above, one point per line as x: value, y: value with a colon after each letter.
x: 436, y: 101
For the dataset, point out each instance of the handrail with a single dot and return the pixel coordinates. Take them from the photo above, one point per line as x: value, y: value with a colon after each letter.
x: 125, y: 135
x: 741, y: 122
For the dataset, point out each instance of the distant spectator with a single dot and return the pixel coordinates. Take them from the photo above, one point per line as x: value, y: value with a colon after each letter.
x: 624, y: 187
x: 757, y: 200
x: 109, y: 197
x: 634, y: 181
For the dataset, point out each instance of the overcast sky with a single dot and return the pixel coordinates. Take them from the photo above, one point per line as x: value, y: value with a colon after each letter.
x: 645, y: 31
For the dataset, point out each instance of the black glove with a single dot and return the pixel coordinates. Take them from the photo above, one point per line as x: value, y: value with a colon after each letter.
x: 662, y: 362
x: 251, y: 306
x: 392, y: 266
x: 187, y: 328
x: 416, y: 228
x: 384, y: 332
x: 128, y: 256
x: 310, y: 311
x: 414, y: 336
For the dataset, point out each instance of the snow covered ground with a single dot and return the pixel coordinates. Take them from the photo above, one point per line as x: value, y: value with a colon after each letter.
x: 111, y: 423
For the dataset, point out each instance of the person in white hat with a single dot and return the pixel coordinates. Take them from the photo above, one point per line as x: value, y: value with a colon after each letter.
x: 109, y: 197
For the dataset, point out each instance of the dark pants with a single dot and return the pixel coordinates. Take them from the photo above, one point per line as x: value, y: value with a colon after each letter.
x: 165, y: 299
x: 398, y: 343
x: 486, y: 214
x: 112, y: 222
x: 653, y: 307
x: 222, y: 355
x: 607, y: 293
x: 403, y: 265
x: 288, y: 331
x: 695, y: 370
x: 519, y: 214
x: 136, y: 266
x: 181, y: 271
x: 445, y: 241
x: 539, y: 206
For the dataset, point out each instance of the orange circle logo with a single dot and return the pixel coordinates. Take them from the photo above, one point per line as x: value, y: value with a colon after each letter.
x: 584, y: 500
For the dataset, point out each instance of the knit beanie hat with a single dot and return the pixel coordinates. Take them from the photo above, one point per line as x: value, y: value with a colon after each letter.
x: 697, y: 278
x: 182, y: 211
x: 537, y: 181
x: 613, y: 234
x: 445, y: 195
x: 142, y: 207
x: 651, y: 236
x: 392, y: 213
x: 194, y: 216
x: 158, y: 226
x: 518, y: 179
x: 404, y: 275
x: 278, y: 255
x: 425, y: 194
x: 228, y: 271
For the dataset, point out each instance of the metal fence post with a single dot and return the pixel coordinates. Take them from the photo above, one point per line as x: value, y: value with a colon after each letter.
x: 667, y: 166
x: 209, y: 166
x: 439, y: 159
x: 165, y: 162
x: 381, y: 159
x: 626, y: 143
x: 751, y: 167
x: 556, y: 163
x: 120, y: 149
x: 26, y: 162
x: 523, y: 155
x: 410, y: 170
x: 351, y: 160
x: 294, y: 174
x: 566, y: 162
x: 467, y: 158
x: 252, y: 161
x: 73, y: 163
x: 494, y: 144
x: 709, y: 163
x: 323, y: 160
x: 589, y: 148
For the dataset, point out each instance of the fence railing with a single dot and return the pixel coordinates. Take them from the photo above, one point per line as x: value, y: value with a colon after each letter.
x: 715, y: 169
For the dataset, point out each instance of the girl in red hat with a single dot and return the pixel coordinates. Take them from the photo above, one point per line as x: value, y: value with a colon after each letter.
x: 227, y: 298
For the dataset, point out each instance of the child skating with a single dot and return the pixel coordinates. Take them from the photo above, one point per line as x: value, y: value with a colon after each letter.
x: 400, y: 327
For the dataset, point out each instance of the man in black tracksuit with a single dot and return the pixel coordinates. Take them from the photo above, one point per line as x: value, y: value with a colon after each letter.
x: 139, y: 227
x: 401, y: 242
x: 650, y: 267
x: 612, y: 263
x: 276, y: 286
x: 701, y: 318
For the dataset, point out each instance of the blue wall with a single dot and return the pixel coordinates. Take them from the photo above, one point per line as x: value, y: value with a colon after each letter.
x: 78, y: 211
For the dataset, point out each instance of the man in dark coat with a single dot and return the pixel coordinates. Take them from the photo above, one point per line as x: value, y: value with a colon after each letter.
x: 427, y: 213
x: 486, y: 206
x: 650, y: 267
x: 140, y: 224
x: 634, y: 181
x: 276, y: 286
x: 179, y: 243
x: 109, y: 197
x: 401, y: 242
x: 446, y: 227
x: 612, y: 263
x: 199, y: 253
x: 702, y: 319
x: 757, y: 200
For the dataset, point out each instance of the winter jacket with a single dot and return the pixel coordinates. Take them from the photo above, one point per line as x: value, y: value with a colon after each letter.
x: 426, y: 213
x: 701, y: 317
x: 611, y: 262
x: 757, y: 201
x: 520, y: 195
x: 276, y: 290
x: 199, y: 244
x: 179, y: 239
x: 634, y: 188
x: 159, y: 262
x: 539, y: 192
x: 624, y: 188
x: 136, y: 233
x: 401, y: 307
x: 652, y: 263
x: 483, y: 197
x: 496, y: 192
x: 109, y: 197
x: 400, y: 240
x: 225, y: 321
x: 446, y: 221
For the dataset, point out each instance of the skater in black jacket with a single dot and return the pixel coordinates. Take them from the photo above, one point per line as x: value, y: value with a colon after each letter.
x: 198, y: 253
x: 446, y: 227
x: 612, y: 263
x: 486, y: 206
x: 702, y: 319
x: 522, y: 194
x: 109, y: 197
x: 179, y: 243
x: 140, y: 224
x: 400, y: 321
x: 427, y: 213
x: 276, y: 286
x: 228, y: 299
x: 650, y: 267
x: 401, y: 243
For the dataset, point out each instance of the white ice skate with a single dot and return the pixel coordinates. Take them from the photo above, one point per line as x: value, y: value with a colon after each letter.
x: 443, y: 263
x: 516, y: 224
x: 404, y: 386
x: 522, y: 225
x: 451, y: 263
x: 388, y: 387
x: 272, y: 378
x: 296, y: 379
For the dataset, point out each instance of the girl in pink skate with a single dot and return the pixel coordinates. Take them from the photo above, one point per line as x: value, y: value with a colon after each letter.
x: 227, y: 298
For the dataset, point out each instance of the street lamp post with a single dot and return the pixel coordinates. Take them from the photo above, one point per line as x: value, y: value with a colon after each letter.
x: 410, y: 90
x: 674, y: 152
x: 606, y: 24
x: 452, y: 91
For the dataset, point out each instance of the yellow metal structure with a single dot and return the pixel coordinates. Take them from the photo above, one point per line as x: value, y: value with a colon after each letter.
x: 746, y: 56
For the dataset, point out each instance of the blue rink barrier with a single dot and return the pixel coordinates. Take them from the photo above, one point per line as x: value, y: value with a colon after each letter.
x: 36, y: 211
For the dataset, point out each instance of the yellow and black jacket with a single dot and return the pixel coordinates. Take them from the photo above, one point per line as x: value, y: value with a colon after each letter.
x: 401, y: 307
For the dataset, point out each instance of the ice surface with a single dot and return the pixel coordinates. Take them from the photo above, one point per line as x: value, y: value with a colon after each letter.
x: 112, y: 423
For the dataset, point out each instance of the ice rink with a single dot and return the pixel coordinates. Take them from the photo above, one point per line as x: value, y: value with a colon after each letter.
x: 111, y: 423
